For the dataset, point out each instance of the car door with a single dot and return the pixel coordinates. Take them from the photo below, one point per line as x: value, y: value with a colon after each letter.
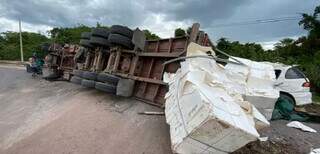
x: 293, y: 80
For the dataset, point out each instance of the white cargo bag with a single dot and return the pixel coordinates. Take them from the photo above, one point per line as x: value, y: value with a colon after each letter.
x: 205, y: 109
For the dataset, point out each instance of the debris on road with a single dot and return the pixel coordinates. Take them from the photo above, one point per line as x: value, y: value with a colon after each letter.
x: 151, y: 113
x: 205, y: 107
x: 283, y: 109
x: 315, y: 151
x: 299, y: 125
x: 263, y: 139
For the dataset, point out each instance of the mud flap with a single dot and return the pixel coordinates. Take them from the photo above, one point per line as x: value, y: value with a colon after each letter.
x: 125, y: 87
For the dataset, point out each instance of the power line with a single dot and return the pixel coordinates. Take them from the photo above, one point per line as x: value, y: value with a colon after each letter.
x: 257, y: 21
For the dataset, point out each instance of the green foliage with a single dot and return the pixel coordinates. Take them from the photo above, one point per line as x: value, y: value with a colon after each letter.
x: 150, y: 36
x: 69, y: 35
x: 10, y: 45
x: 179, y: 32
x: 311, y: 23
x: 316, y: 98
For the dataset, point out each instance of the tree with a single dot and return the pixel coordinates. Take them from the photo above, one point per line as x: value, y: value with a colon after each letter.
x: 284, y: 42
x: 179, y: 32
x: 150, y: 36
x: 10, y: 47
x: 69, y: 35
x: 311, y: 23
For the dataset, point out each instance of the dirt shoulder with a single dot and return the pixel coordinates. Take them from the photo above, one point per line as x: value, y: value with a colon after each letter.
x: 284, y: 140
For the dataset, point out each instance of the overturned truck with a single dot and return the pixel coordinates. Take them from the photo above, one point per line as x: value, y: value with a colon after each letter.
x: 123, y: 62
x: 209, y: 106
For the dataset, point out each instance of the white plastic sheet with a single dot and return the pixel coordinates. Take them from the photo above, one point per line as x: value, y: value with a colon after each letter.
x: 315, y: 151
x: 299, y: 125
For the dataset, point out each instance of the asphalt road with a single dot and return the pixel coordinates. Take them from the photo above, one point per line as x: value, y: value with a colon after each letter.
x: 37, y: 116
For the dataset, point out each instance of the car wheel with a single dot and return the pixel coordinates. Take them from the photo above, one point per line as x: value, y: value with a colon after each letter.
x: 117, y: 39
x: 88, y: 83
x: 106, y: 87
x: 112, y: 79
x: 76, y: 80
x: 288, y: 98
x: 122, y: 30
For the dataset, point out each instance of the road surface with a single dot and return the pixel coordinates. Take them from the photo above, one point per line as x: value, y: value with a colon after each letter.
x: 37, y: 116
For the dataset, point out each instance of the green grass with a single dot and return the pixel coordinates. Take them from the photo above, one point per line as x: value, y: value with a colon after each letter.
x: 316, y: 98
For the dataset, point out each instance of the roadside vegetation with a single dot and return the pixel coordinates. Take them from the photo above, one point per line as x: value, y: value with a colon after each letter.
x: 304, y: 51
x: 32, y: 42
x: 316, y: 98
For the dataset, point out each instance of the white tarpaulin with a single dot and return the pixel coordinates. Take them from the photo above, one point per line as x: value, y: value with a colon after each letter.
x: 299, y: 125
x: 205, y: 107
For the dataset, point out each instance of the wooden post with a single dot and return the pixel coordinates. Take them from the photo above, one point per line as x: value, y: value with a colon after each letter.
x: 194, y: 32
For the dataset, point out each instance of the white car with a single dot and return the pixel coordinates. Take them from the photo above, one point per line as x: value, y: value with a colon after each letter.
x: 292, y: 84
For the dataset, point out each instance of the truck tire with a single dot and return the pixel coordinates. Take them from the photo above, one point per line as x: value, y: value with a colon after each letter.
x: 88, y: 83
x: 89, y: 75
x: 117, y: 39
x: 77, y: 73
x: 106, y: 87
x: 104, y: 77
x: 99, y: 41
x: 85, y: 35
x: 86, y: 43
x: 76, y: 80
x: 122, y: 30
x: 100, y: 32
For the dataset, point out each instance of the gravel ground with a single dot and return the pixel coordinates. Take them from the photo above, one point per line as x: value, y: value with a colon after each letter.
x: 284, y: 140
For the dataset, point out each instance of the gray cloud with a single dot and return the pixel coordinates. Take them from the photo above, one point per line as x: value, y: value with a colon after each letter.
x: 264, y: 10
x: 203, y: 11
x: 136, y: 12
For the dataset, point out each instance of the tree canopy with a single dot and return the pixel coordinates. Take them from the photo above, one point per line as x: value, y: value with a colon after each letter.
x: 150, y: 35
x: 10, y: 45
x: 179, y: 32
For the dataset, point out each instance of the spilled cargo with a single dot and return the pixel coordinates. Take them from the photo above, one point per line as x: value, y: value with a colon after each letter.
x: 207, y: 106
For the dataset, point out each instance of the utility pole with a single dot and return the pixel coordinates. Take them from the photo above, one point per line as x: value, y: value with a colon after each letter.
x: 21, y: 47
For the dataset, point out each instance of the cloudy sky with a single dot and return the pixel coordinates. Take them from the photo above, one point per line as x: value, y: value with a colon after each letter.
x: 233, y: 19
